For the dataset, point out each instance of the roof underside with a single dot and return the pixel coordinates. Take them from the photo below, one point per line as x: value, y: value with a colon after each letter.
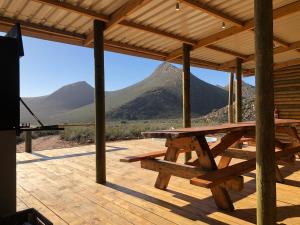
x: 154, y: 29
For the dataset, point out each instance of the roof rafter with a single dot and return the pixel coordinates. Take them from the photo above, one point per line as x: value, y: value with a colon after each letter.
x: 43, y: 32
x: 227, y: 51
x: 125, y: 10
x: 158, y: 32
x: 292, y: 62
x: 95, y: 15
x: 136, y: 48
x: 80, y: 10
x: 277, y: 40
x: 213, y: 12
x: 278, y: 50
x: 280, y: 42
x: 277, y: 13
x: 119, y: 15
x: 53, y: 34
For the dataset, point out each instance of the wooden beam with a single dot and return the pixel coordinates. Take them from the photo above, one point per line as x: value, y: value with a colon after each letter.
x: 98, y: 16
x: 95, y: 15
x: 99, y: 102
x: 119, y: 15
x: 227, y: 51
x: 105, y: 18
x: 213, y: 12
x: 186, y: 91
x: 69, y: 7
x: 278, y: 41
x: 42, y: 32
x: 156, y: 31
x: 281, y: 42
x: 125, y: 10
x: 135, y: 48
x: 277, y: 50
x: 142, y: 52
x: 230, y: 98
x: 277, y: 13
x: 53, y: 34
x: 264, y: 101
x: 292, y: 62
x: 238, y: 91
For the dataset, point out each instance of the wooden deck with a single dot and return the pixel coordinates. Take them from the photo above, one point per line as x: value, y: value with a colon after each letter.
x: 60, y: 184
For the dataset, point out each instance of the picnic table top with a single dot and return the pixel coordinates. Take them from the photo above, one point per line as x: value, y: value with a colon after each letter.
x: 205, y: 130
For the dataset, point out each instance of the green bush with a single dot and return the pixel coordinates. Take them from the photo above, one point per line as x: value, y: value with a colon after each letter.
x: 115, y: 130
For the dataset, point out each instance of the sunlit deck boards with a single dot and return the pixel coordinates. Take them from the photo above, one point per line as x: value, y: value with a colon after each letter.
x: 61, y: 184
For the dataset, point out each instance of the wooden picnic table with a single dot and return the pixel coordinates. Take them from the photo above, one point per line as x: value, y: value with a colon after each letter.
x: 204, y: 171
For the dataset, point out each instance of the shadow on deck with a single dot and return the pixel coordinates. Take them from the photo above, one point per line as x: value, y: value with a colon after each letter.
x: 60, y: 184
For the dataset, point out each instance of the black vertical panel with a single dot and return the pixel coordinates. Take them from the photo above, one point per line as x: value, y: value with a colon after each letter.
x: 9, y: 84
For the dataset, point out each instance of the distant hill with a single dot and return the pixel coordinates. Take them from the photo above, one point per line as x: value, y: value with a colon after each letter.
x: 221, y: 115
x: 158, y: 96
x: 248, y: 109
x: 67, y: 98
x: 248, y: 91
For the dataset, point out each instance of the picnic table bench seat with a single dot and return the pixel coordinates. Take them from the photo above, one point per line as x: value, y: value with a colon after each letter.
x: 149, y: 155
x: 216, y: 177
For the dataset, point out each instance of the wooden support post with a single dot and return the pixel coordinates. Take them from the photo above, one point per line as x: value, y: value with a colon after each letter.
x: 186, y: 92
x: 230, y: 98
x: 99, y: 27
x: 238, y: 91
x: 28, y: 142
x: 265, y: 147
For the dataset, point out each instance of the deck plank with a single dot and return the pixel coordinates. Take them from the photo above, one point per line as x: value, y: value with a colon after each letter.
x: 61, y: 184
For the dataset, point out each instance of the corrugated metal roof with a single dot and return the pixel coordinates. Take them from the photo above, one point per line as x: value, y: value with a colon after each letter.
x: 159, y: 15
x: 242, y: 43
x: 211, y: 55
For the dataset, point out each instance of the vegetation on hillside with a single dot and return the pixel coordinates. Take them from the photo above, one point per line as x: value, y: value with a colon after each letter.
x: 124, y: 129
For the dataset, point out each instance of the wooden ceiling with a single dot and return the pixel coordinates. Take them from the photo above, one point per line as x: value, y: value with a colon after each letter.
x: 154, y: 29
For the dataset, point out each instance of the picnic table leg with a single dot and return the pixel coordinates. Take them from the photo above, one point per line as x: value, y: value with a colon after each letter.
x: 206, y: 161
x: 279, y: 177
x: 224, y: 162
x: 163, y: 178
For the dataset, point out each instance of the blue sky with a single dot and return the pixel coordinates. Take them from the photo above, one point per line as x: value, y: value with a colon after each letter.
x: 47, y: 66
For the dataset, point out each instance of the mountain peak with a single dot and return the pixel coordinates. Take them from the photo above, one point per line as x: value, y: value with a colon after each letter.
x: 77, y: 85
x: 167, y: 67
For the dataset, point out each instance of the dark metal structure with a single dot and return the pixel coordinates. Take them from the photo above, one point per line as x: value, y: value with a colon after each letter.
x: 11, y: 51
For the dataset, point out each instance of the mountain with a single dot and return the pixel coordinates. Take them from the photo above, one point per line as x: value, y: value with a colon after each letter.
x: 67, y: 98
x: 157, y: 96
x: 248, y: 91
x: 221, y: 115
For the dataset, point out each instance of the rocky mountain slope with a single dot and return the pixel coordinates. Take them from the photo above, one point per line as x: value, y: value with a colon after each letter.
x: 158, y: 96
